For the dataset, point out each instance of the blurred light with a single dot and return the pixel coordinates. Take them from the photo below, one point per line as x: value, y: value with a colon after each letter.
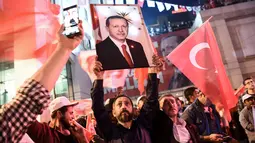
x: 118, y: 1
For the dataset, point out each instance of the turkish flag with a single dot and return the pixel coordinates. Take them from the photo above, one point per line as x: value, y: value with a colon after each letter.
x: 240, y: 91
x: 198, y: 57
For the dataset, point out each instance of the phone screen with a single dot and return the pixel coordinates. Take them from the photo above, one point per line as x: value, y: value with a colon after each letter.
x: 71, y: 20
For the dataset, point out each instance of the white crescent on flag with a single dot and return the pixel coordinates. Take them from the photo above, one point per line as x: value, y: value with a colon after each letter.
x: 194, y: 51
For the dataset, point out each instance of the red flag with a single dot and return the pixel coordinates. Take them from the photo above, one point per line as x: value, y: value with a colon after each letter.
x: 141, y: 75
x: 198, y: 57
x: 240, y: 90
x: 28, y: 29
x: 95, y: 22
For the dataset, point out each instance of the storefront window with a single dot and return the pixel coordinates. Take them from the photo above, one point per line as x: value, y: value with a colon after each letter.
x: 7, y: 87
x: 63, y: 86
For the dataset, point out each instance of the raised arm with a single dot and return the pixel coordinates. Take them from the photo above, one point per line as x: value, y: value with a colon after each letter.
x: 97, y: 94
x: 33, y: 96
x: 150, y: 108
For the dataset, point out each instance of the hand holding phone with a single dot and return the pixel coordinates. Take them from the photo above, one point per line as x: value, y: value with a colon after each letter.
x: 71, y: 21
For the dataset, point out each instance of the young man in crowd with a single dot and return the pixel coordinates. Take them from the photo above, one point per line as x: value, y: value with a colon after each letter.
x: 191, y: 94
x: 140, y: 102
x: 126, y: 130
x: 246, y: 117
x: 168, y: 127
x: 203, y: 114
x: 62, y: 127
x: 250, y: 89
x: 33, y: 96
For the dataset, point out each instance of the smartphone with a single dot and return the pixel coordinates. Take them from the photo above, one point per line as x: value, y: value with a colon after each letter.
x: 71, y: 21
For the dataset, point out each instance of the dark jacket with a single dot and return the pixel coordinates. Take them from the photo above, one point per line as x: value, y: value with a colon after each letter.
x: 116, y: 133
x: 194, y: 114
x: 42, y: 133
x: 111, y: 58
x: 163, y: 130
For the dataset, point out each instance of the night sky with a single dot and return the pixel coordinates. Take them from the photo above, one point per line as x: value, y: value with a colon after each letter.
x: 150, y: 14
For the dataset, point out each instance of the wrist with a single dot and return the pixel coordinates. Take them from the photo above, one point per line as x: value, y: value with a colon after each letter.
x: 65, y: 47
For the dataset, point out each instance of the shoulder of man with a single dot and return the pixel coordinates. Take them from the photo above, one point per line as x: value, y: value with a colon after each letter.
x: 103, y: 42
x: 133, y: 42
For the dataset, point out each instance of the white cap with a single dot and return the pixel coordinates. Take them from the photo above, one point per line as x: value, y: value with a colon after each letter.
x: 139, y: 98
x: 60, y: 102
x: 246, y: 96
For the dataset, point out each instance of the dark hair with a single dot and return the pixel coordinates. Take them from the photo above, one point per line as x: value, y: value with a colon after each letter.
x: 248, y: 78
x: 62, y: 110
x: 122, y: 95
x: 167, y: 95
x: 189, y: 92
x: 82, y: 120
x: 107, y: 23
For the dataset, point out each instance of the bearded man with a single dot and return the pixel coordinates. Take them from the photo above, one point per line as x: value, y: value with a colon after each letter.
x: 126, y: 130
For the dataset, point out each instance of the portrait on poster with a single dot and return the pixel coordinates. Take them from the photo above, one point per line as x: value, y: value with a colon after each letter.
x: 122, y: 38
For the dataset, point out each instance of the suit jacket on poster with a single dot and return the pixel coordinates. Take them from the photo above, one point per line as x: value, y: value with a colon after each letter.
x: 111, y: 58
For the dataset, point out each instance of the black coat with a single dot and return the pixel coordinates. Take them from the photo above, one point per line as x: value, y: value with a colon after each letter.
x: 111, y: 58
x: 116, y: 133
x: 162, y: 130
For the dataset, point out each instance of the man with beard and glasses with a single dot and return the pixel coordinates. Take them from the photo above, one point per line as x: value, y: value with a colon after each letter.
x: 126, y: 130
x: 62, y: 127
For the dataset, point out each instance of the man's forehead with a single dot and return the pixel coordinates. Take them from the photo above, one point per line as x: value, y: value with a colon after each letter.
x: 122, y: 99
x: 167, y: 98
x: 114, y: 21
x: 248, y: 80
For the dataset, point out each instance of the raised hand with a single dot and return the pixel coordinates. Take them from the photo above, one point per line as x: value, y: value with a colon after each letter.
x: 70, y: 43
x: 98, y: 69
x: 159, y: 62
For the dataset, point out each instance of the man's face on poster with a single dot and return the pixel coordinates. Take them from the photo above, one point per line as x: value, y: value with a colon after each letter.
x: 118, y: 29
x: 168, y: 45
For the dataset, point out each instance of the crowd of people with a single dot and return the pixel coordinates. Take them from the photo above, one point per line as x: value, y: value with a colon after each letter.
x: 157, y: 119
x: 209, y: 4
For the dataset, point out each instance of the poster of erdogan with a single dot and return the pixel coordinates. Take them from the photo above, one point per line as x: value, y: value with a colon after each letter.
x: 122, y: 38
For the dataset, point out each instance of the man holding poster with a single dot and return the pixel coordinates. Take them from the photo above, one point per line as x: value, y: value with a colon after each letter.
x: 118, y: 52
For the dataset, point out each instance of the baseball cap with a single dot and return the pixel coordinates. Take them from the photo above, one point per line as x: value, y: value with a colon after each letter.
x: 246, y: 96
x: 60, y: 102
x: 140, y: 98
